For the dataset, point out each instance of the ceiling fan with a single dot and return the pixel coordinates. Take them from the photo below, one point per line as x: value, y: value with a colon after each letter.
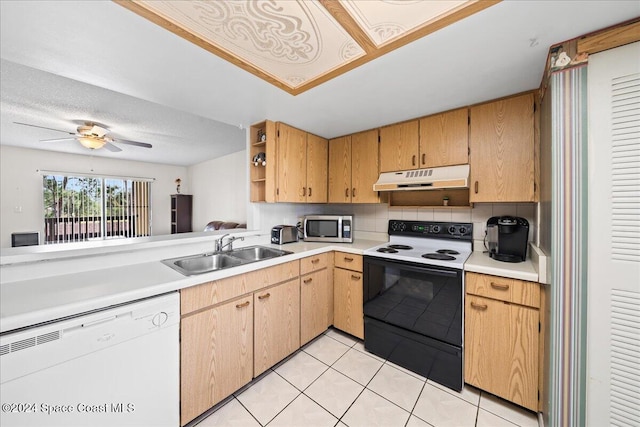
x: 92, y: 136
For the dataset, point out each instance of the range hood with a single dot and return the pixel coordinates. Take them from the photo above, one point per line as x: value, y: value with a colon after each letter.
x: 424, y: 179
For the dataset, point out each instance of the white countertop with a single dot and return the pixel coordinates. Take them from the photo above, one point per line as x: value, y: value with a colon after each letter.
x: 43, y: 290
x: 42, y: 299
x: 480, y: 262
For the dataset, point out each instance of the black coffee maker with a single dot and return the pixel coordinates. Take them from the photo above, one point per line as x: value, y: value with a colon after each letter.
x: 507, y: 238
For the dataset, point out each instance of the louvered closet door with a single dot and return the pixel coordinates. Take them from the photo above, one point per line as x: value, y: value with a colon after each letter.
x: 613, y: 311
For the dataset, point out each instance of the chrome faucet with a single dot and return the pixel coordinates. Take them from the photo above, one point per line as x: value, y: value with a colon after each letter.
x: 220, y: 245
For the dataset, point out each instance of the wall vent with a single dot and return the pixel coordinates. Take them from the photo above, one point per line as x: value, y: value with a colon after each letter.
x: 625, y: 358
x: 625, y: 168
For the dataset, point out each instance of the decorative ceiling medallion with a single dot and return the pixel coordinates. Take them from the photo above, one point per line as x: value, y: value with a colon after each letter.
x: 299, y: 44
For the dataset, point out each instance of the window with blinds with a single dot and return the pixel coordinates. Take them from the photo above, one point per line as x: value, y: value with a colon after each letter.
x: 81, y: 208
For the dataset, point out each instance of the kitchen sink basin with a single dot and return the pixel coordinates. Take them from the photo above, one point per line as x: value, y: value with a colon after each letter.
x: 205, y: 263
x: 257, y: 253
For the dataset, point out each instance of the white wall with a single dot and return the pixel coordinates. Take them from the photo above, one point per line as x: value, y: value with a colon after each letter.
x: 21, y: 185
x: 220, y: 190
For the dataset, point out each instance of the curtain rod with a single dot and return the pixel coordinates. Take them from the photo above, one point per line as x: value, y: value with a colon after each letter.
x: 82, y: 174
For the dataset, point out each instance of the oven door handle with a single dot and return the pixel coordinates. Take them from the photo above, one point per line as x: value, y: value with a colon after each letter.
x: 445, y: 273
x: 418, y: 268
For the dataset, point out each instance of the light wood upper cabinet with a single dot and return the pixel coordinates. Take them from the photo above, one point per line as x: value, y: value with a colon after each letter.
x: 438, y: 140
x: 317, y: 154
x: 353, y: 168
x: 444, y: 139
x: 216, y: 352
x: 364, y: 166
x: 302, y: 166
x: 502, y: 157
x: 502, y: 337
x: 277, y: 324
x: 340, y: 170
x: 292, y: 164
x: 399, y: 146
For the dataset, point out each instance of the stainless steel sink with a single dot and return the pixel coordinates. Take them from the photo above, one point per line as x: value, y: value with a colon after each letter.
x: 205, y: 263
x: 257, y: 253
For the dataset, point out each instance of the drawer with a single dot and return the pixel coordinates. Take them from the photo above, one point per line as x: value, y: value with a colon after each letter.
x: 212, y: 293
x: 503, y: 289
x: 348, y: 261
x: 314, y: 263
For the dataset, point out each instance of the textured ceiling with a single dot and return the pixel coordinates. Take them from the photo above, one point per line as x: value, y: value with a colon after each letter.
x: 67, y: 61
x: 177, y: 137
x: 297, y: 44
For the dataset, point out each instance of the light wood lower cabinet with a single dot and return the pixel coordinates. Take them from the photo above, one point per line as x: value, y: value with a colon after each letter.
x: 314, y: 305
x: 277, y: 324
x: 217, y: 333
x: 347, y: 294
x: 216, y: 355
x: 502, y: 322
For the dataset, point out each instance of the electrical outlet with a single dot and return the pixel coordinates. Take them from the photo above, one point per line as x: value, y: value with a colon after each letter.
x: 17, y: 209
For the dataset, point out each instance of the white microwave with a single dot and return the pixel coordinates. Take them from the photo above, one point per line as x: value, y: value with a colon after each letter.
x: 328, y: 228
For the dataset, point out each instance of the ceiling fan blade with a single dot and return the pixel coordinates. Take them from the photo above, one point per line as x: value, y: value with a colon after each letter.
x: 43, y: 127
x: 109, y: 146
x: 136, y: 143
x: 57, y: 139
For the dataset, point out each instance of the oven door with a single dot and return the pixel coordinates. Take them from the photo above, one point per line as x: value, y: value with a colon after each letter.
x: 413, y: 317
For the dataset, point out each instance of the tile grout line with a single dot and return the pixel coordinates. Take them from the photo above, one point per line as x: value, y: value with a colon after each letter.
x: 331, y: 367
x: 325, y: 369
x: 248, y: 411
x: 414, y: 405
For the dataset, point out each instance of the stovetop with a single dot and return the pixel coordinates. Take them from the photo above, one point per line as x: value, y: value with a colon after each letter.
x: 445, y: 244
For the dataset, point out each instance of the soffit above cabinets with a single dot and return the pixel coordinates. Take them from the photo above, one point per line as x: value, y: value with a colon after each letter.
x: 297, y: 45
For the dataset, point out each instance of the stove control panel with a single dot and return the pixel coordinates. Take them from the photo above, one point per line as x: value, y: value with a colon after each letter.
x: 440, y: 230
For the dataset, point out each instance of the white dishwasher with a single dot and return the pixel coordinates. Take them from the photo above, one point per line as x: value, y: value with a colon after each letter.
x: 114, y: 367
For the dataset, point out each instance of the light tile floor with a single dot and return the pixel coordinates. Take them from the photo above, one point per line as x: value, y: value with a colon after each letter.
x: 333, y: 381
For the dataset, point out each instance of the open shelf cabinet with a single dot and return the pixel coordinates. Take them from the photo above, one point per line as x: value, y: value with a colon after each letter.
x: 262, y: 177
x: 458, y: 198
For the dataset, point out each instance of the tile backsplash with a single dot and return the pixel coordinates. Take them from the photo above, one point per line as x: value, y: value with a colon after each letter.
x: 375, y: 217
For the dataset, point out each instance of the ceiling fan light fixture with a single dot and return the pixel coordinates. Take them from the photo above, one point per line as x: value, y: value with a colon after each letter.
x: 91, y: 142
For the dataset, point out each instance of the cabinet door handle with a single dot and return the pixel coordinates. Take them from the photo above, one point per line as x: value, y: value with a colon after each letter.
x: 309, y: 191
x: 476, y: 187
x: 499, y: 286
x: 304, y: 191
x: 347, y: 259
x: 346, y: 192
x: 424, y: 158
x: 265, y: 296
x: 413, y: 160
x: 355, y: 277
x: 353, y: 192
x: 244, y: 304
x: 306, y: 281
x: 478, y: 306
x: 315, y: 261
